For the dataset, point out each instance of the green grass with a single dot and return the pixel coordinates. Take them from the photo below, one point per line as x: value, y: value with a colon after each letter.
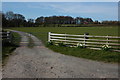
x: 107, y: 56
x: 42, y: 32
x: 98, y: 55
x: 8, y: 47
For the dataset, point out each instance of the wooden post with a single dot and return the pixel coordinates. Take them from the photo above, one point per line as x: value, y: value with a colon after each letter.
x: 84, y: 39
x: 107, y: 40
x: 65, y: 38
x: 49, y: 33
x: 8, y: 34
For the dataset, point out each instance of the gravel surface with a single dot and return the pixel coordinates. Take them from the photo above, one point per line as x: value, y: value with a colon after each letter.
x: 40, y: 62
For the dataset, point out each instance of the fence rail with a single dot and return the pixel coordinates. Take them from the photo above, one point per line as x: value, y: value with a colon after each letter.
x: 6, y: 36
x: 90, y: 41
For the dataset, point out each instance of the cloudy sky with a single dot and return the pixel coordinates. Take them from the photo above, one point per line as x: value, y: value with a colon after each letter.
x: 95, y: 10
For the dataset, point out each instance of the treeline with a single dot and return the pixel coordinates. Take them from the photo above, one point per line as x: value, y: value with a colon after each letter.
x: 10, y: 19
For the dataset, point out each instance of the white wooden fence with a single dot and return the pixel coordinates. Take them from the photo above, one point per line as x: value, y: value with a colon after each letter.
x: 6, y: 35
x: 90, y: 41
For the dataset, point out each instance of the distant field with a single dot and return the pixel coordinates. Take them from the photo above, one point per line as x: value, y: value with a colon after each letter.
x: 42, y: 32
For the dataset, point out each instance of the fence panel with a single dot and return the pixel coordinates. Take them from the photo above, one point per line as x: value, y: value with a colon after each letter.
x: 6, y: 36
x: 90, y: 41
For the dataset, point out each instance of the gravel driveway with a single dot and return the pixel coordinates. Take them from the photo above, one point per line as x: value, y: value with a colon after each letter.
x: 41, y: 62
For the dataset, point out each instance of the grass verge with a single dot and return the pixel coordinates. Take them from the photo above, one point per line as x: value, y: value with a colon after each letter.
x: 8, y: 47
x: 98, y: 55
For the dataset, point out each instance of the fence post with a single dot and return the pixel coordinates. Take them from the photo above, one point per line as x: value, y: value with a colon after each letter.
x: 65, y: 38
x: 49, y: 33
x: 8, y: 34
x: 84, y: 39
x: 85, y: 34
x: 107, y: 40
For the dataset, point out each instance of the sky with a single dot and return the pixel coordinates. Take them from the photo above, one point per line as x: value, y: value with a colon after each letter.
x: 96, y: 10
x: 60, y: 0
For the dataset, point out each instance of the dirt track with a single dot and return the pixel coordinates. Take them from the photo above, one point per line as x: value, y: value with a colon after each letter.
x: 40, y: 62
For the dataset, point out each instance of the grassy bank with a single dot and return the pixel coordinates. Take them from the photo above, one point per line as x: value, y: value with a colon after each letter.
x: 98, y: 55
x: 8, y: 47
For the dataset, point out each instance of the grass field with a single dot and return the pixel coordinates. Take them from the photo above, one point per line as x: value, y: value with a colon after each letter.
x: 42, y: 32
x: 106, y: 56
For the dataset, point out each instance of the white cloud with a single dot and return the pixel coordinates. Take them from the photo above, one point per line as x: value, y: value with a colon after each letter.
x: 60, y: 0
x: 92, y: 10
x: 73, y: 8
